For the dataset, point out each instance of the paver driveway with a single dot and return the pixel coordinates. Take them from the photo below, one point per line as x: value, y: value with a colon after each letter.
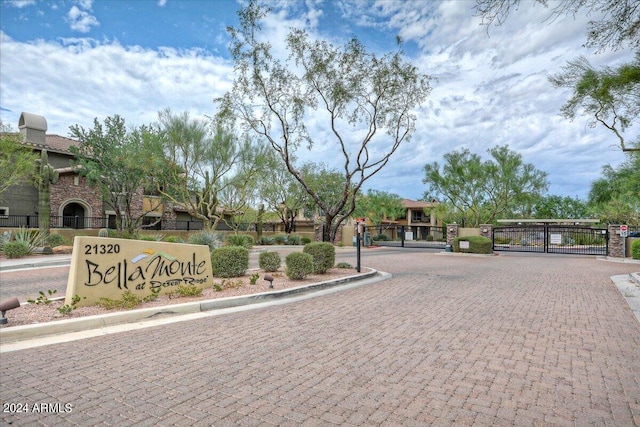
x: 449, y: 340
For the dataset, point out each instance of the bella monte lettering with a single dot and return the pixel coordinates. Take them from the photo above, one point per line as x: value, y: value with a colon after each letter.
x: 124, y: 272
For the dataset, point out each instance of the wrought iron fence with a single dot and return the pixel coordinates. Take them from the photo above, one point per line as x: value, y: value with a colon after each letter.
x: 552, y: 239
x: 79, y: 222
x: 424, y: 236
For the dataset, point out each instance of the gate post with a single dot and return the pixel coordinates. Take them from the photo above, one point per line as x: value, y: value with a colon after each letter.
x: 452, y: 233
x: 486, y: 230
x: 616, y: 242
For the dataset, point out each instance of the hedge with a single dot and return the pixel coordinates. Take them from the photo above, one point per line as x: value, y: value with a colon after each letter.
x: 477, y: 245
x: 230, y: 261
x: 635, y: 249
x: 244, y: 240
x: 324, y: 256
x: 299, y: 265
x: 269, y: 261
x: 16, y: 249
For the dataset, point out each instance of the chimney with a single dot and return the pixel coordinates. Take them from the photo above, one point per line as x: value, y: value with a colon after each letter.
x: 33, y: 128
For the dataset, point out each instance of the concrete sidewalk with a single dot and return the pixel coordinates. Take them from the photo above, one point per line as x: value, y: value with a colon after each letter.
x: 34, y: 261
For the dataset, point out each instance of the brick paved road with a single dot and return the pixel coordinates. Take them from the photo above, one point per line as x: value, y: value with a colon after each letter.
x: 506, y: 340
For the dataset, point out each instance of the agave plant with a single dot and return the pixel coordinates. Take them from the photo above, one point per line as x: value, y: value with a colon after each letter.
x: 33, y: 238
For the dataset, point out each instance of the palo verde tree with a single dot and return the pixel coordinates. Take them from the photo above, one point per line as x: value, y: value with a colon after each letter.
x: 281, y: 192
x: 205, y: 167
x: 379, y: 205
x: 366, y: 102
x: 482, y: 191
x: 609, y: 97
x: 560, y: 207
x: 17, y: 163
x: 618, y: 28
x: 121, y: 163
x: 615, y: 197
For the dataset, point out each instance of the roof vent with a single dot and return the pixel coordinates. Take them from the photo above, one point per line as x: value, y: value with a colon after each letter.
x: 33, y: 128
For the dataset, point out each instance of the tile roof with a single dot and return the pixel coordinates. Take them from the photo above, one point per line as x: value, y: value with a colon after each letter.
x: 417, y: 204
x: 60, y: 143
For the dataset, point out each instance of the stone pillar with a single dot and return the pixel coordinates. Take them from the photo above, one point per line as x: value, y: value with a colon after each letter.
x: 486, y: 230
x: 452, y: 233
x: 615, y: 242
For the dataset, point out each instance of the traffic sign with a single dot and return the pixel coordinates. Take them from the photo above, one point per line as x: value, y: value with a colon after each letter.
x: 623, y: 230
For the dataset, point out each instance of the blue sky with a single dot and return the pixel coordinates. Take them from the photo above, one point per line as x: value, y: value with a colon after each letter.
x: 72, y: 61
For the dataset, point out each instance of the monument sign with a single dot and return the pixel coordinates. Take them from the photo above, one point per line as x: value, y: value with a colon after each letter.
x: 107, y: 268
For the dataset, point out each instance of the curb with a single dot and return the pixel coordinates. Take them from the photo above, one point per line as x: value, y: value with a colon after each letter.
x: 29, y: 265
x: 24, y: 332
x: 629, y: 287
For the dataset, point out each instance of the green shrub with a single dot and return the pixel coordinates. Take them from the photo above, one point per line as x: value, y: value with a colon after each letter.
x: 293, y: 240
x: 125, y: 234
x: 254, y: 278
x: 324, y: 256
x: 230, y: 261
x: 381, y: 237
x: 299, y: 265
x: 4, y: 238
x: 175, y: 239
x: 635, y: 249
x: 267, y: 241
x: 129, y: 300
x: 209, y: 238
x: 477, y: 245
x: 344, y: 265
x: 55, y: 240
x: 244, y: 240
x: 33, y: 238
x: 16, y: 249
x: 150, y: 238
x: 269, y: 261
x: 305, y: 240
x: 280, y: 239
x: 186, y: 291
x: 501, y: 240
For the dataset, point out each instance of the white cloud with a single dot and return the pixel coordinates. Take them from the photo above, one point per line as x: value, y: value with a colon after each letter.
x: 492, y: 89
x: 162, y: 3
x: 21, y: 3
x: 85, y: 4
x: 80, y: 79
x: 80, y: 20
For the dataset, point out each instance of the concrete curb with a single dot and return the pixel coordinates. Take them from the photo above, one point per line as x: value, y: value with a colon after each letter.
x: 629, y: 287
x: 25, y: 332
x: 29, y: 265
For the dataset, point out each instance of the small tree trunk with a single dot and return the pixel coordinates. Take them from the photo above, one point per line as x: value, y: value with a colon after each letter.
x: 259, y: 222
x: 48, y: 176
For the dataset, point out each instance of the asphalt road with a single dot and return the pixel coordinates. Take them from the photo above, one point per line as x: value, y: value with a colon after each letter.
x: 26, y: 284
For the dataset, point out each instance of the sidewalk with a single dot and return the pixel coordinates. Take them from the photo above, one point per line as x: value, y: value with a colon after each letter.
x: 34, y: 261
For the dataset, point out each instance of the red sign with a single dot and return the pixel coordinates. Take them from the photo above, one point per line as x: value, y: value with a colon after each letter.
x: 623, y: 228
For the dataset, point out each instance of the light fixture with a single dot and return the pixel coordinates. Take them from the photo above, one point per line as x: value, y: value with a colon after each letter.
x: 269, y: 278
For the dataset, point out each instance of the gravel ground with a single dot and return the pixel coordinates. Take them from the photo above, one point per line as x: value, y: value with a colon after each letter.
x: 39, y: 313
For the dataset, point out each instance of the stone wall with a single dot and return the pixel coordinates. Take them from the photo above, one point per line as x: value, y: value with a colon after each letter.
x: 452, y: 233
x: 66, y: 190
x: 615, y: 242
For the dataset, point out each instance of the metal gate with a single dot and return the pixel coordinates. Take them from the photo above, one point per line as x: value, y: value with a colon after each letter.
x: 558, y: 239
x: 406, y: 236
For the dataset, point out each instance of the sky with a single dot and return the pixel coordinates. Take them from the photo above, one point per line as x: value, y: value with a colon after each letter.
x: 73, y: 61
